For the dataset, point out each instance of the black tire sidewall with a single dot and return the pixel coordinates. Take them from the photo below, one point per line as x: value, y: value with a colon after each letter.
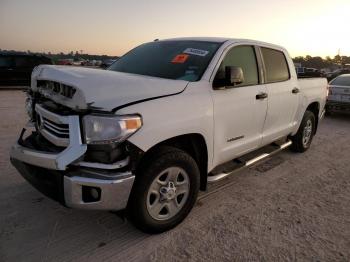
x: 298, y: 144
x: 308, y: 116
x: 137, y: 206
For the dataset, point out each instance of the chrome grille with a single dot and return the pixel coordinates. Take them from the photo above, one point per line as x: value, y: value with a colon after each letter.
x: 56, y: 129
x: 53, y: 127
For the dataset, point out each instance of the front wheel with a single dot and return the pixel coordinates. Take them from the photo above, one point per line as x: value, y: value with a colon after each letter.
x: 164, y: 191
x: 303, y: 138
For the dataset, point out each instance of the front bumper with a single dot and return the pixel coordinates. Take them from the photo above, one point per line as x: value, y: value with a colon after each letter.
x: 57, y: 161
x: 72, y: 188
x: 55, y: 165
x: 114, y: 193
x: 73, y: 183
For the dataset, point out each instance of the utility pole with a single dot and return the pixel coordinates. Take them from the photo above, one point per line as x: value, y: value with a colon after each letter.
x: 338, y: 60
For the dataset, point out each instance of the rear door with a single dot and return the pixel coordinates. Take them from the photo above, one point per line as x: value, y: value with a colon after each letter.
x: 238, y: 115
x: 283, y: 95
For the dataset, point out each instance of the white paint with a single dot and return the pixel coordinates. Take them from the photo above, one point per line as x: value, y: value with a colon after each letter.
x: 106, y: 89
x: 216, y: 115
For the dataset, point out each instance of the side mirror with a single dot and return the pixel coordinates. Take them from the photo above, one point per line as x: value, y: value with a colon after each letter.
x: 232, y: 76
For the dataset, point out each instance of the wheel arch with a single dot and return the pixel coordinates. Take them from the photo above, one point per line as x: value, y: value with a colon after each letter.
x: 193, y: 144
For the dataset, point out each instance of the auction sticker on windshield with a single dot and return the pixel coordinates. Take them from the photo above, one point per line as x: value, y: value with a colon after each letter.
x: 180, y: 59
x: 193, y: 51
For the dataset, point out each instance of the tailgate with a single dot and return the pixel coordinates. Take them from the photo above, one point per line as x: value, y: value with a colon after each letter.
x: 314, y: 89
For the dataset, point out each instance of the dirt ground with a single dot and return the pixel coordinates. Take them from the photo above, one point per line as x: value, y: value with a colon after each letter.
x: 291, y: 207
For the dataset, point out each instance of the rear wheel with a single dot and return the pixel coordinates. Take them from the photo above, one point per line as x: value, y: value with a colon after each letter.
x: 165, y: 191
x: 303, y: 138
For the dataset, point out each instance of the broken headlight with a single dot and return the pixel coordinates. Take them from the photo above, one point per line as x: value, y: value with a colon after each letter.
x: 102, y: 129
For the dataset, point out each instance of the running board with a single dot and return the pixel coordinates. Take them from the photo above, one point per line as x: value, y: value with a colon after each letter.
x: 239, y: 164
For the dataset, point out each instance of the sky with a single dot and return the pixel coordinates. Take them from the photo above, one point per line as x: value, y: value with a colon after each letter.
x: 112, y: 27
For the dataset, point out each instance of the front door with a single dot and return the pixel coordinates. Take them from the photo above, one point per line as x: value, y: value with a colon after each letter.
x: 239, y: 114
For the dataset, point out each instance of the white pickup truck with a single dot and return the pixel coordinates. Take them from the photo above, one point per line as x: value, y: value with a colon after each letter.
x: 161, y: 122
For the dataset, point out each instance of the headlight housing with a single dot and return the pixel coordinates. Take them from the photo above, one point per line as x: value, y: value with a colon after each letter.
x: 102, y: 129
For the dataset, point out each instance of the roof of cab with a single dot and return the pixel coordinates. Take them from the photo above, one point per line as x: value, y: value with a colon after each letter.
x: 222, y: 40
x: 205, y: 39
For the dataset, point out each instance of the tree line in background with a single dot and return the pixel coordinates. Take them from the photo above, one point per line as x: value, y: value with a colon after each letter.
x: 71, y: 55
x: 78, y: 56
x: 305, y: 61
x: 320, y: 63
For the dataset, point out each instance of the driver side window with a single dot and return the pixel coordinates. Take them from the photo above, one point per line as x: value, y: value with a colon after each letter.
x: 243, y: 57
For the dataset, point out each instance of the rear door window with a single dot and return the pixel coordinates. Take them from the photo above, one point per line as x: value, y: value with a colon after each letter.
x: 275, y: 65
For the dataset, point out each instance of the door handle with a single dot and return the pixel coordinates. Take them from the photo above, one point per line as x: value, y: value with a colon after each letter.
x: 261, y: 96
x: 295, y: 90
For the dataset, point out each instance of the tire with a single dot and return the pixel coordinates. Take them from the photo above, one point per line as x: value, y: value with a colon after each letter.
x: 303, y: 138
x: 157, y: 202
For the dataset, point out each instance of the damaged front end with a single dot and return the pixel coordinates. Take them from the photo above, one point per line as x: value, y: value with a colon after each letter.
x: 78, y: 157
x: 57, y: 91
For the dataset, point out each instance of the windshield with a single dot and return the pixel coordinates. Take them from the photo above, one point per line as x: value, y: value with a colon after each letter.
x: 341, y: 81
x: 185, y: 60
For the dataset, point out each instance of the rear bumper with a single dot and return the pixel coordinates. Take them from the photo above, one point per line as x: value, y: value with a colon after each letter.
x: 74, y: 188
x: 337, y: 106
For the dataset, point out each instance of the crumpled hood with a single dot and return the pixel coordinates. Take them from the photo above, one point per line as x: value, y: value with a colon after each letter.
x: 103, y: 89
